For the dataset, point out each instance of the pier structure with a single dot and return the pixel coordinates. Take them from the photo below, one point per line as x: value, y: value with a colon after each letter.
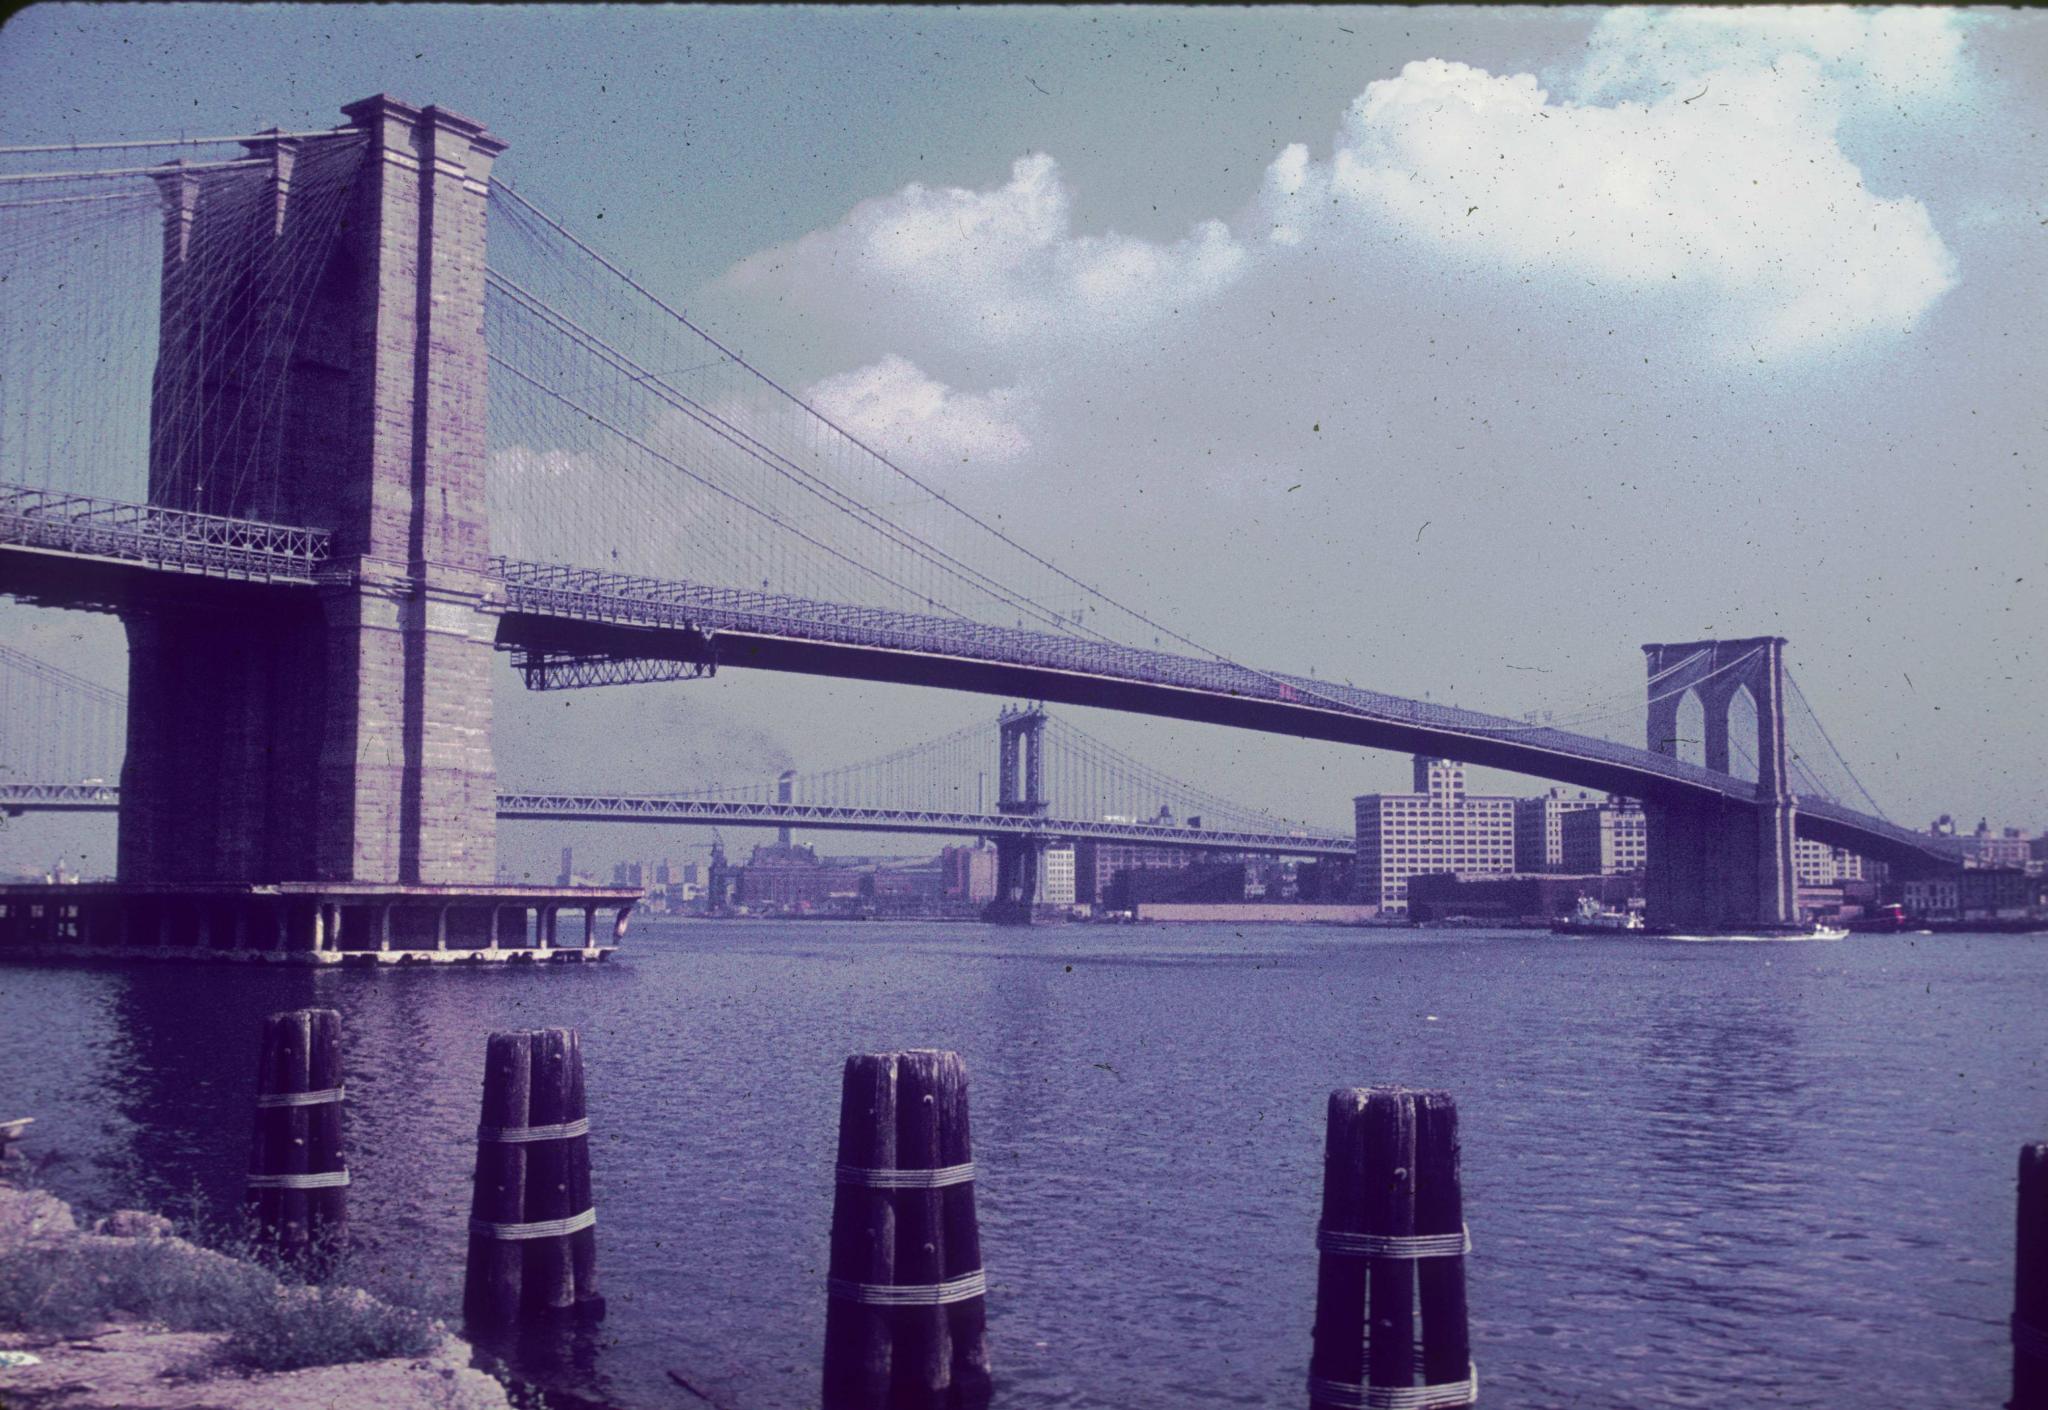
x: 314, y: 923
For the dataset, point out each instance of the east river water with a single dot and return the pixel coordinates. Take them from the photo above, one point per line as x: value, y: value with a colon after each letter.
x: 1695, y: 1174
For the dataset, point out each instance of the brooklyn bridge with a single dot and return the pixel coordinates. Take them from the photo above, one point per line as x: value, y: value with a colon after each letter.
x: 243, y: 408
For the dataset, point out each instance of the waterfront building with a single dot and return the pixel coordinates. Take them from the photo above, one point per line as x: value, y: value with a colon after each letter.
x: 1975, y: 893
x: 1607, y: 839
x: 1998, y: 893
x: 2008, y: 848
x: 1539, y: 828
x: 916, y: 888
x: 1437, y: 828
x: 969, y: 874
x: 1203, y: 881
x: 782, y: 876
x: 1817, y: 864
x: 1056, y: 883
x: 1932, y: 897
x: 1098, y: 864
x: 1327, y: 879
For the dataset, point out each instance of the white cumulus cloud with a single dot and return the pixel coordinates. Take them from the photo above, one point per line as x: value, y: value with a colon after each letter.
x: 1895, y: 52
x: 1738, y: 203
x: 1002, y: 266
x: 894, y: 407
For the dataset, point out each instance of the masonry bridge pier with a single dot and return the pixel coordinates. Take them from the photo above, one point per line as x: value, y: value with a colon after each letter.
x: 326, y: 532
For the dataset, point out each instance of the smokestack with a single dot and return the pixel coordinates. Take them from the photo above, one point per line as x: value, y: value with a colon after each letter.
x: 785, y: 792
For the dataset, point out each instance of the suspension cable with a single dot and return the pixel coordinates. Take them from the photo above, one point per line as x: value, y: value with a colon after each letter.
x: 173, y: 142
x: 178, y: 170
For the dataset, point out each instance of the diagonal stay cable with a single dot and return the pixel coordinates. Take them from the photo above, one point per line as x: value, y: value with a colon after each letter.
x: 715, y: 488
x: 852, y: 439
x: 780, y: 464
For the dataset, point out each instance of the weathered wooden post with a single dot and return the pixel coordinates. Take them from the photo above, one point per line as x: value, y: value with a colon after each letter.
x: 1392, y: 1232
x: 2030, y: 1284
x: 298, y: 1182
x: 532, y: 1235
x: 906, y: 1310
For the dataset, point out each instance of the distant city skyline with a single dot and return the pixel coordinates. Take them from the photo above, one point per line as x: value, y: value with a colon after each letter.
x: 1453, y: 352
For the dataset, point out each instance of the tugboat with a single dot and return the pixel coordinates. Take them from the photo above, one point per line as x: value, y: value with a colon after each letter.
x: 1593, y: 919
x: 1882, y: 920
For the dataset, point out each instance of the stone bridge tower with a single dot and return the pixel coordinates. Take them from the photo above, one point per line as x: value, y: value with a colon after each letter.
x: 1020, y: 792
x: 1728, y: 864
x: 322, y: 362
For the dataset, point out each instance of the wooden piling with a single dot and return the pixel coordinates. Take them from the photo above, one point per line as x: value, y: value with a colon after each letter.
x: 905, y: 1320
x: 1440, y: 1210
x: 2030, y: 1284
x: 532, y: 1241
x: 1392, y: 1234
x: 492, y: 1279
x: 298, y: 1179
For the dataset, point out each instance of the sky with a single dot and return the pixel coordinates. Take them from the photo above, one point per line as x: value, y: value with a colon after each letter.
x: 1449, y: 351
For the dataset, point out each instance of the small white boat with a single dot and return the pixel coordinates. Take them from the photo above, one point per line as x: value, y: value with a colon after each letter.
x: 1592, y: 919
x: 1830, y: 932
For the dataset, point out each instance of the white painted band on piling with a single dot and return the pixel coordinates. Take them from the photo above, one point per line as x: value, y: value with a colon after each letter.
x: 319, y: 1098
x: 545, y: 1229
x: 907, y: 1179
x: 1353, y: 1245
x: 960, y: 1289
x: 1349, y: 1395
x: 515, y: 1135
x: 2028, y: 1340
x: 322, y: 1180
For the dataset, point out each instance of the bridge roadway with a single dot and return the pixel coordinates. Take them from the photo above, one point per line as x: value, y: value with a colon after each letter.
x: 71, y: 551
x: 17, y: 798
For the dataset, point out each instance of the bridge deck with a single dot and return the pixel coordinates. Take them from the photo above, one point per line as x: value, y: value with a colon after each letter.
x: 577, y: 611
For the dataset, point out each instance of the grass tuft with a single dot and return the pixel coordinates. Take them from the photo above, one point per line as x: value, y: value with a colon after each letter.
x: 296, y: 1327
x: 69, y: 1286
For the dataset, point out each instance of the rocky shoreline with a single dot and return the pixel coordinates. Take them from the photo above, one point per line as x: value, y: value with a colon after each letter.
x: 131, y: 1360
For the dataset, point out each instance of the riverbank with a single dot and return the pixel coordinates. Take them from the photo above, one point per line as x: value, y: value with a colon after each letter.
x: 124, y: 1315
